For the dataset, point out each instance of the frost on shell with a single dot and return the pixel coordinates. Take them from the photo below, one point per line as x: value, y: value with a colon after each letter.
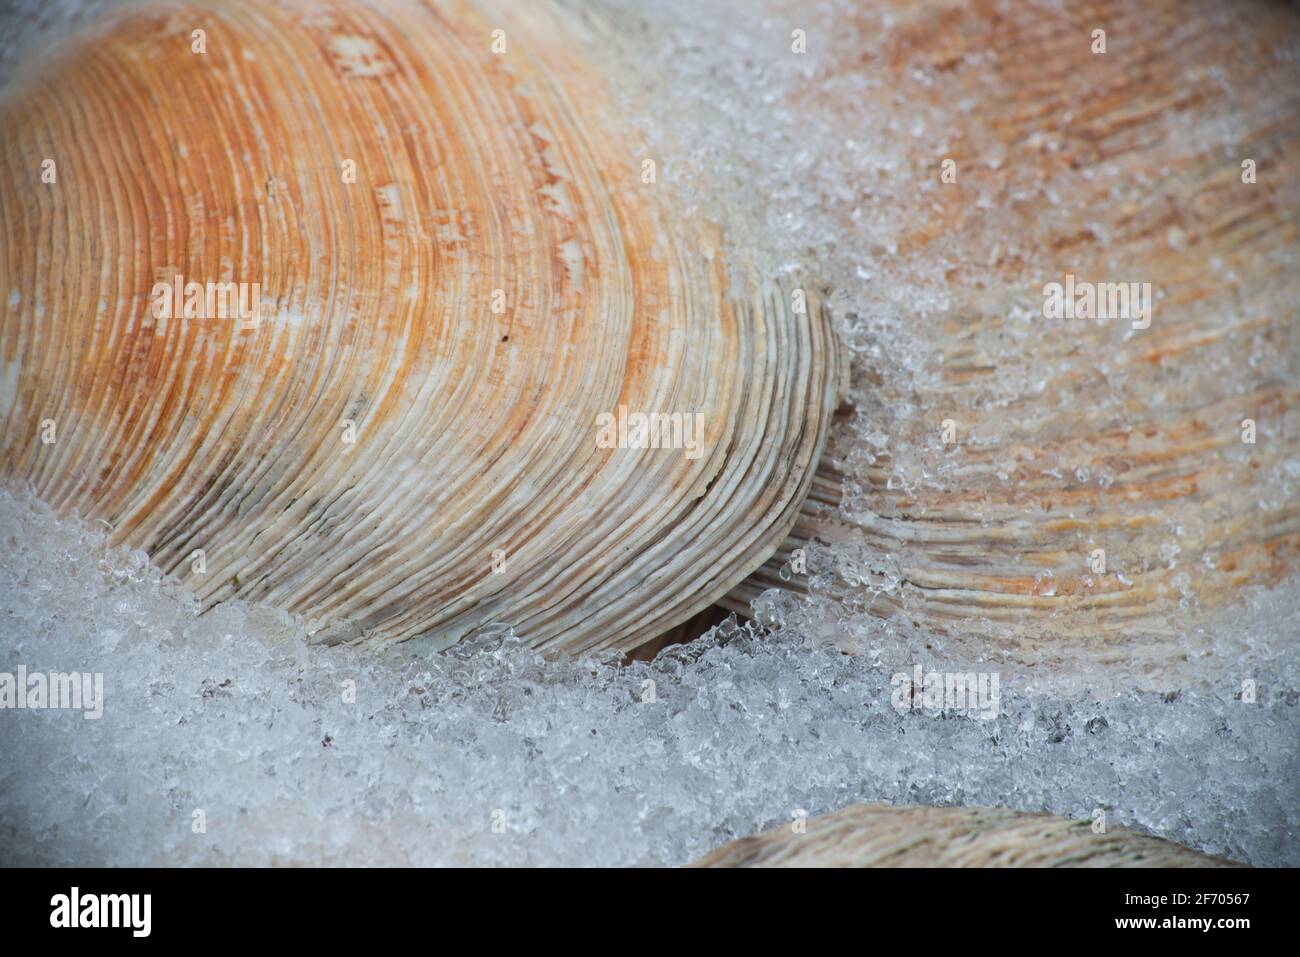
x: 490, y: 754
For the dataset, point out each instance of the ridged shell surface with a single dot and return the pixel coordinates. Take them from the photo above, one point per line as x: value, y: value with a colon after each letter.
x: 875, y: 835
x: 465, y: 267
x: 1074, y: 486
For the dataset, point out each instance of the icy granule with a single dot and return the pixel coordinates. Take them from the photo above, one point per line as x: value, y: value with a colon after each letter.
x: 821, y: 164
x: 29, y: 27
x: 815, y: 165
x: 492, y: 755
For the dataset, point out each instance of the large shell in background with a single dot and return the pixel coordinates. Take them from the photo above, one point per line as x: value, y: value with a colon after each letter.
x: 406, y: 440
x: 1074, y: 486
x: 875, y: 835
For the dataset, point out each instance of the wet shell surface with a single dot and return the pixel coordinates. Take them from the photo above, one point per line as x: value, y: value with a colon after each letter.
x: 468, y: 285
x: 876, y: 835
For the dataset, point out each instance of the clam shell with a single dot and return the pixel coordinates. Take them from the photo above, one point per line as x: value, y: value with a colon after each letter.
x: 1071, y: 436
x: 406, y: 440
x: 875, y: 835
